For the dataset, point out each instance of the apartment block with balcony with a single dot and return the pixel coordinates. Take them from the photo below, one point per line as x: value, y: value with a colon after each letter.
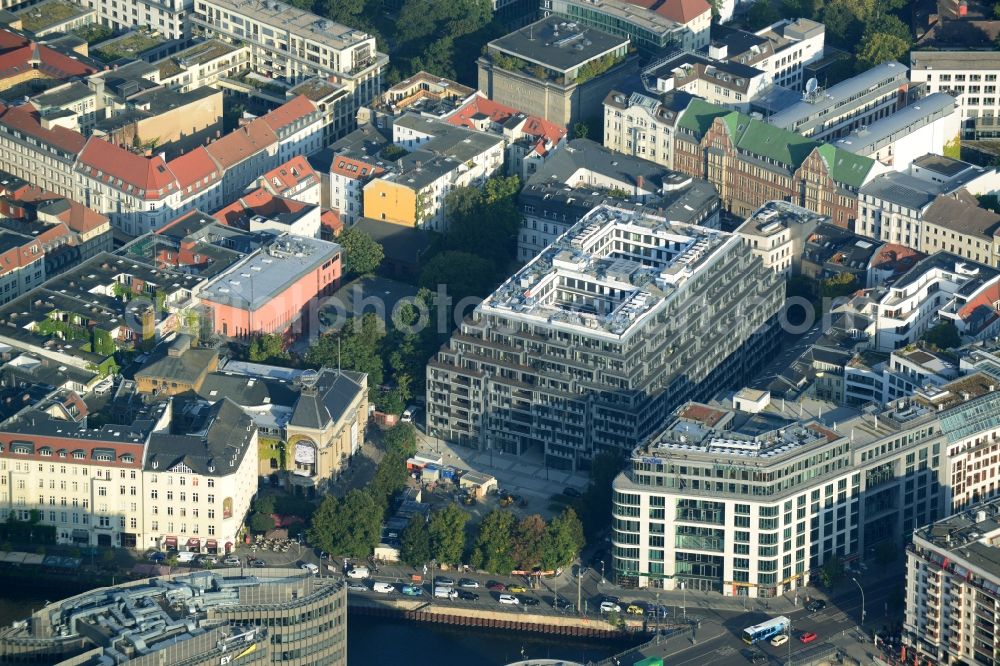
x: 591, y: 345
x: 294, y: 45
x: 752, y: 502
x: 953, y: 589
x: 971, y: 78
x: 654, y: 27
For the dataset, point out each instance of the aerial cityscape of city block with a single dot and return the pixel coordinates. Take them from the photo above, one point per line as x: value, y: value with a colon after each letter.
x: 499, y: 332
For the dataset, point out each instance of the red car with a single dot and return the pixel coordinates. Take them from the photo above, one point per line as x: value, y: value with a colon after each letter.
x: 494, y: 586
x: 807, y: 637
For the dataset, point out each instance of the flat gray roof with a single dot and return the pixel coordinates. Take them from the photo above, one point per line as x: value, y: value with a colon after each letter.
x: 547, y: 43
x: 296, y: 21
x: 268, y: 272
x: 964, y: 60
x: 902, y: 122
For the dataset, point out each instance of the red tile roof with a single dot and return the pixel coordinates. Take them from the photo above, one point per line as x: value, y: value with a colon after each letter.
x: 289, y: 112
x: 331, y: 223
x: 897, y: 258
x: 25, y: 119
x: 288, y: 175
x: 147, y: 177
x: 76, y: 217
x: 17, y: 52
x: 679, y: 11
x: 356, y: 169
x: 701, y: 413
x: 195, y: 169
x: 982, y: 306
x: 242, y: 143
x: 501, y: 113
x: 258, y: 202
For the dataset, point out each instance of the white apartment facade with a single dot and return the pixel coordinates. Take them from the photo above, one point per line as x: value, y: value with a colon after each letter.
x: 777, y: 232
x: 199, y: 501
x: 640, y: 125
x: 971, y: 78
x: 170, y: 17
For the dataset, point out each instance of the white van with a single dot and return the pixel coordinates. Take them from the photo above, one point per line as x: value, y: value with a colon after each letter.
x: 310, y: 567
x: 186, y: 557
x: 359, y: 573
x: 445, y: 593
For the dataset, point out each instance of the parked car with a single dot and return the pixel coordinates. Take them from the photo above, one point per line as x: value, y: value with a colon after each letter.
x: 444, y: 582
x: 445, y: 592
x: 517, y: 588
x: 357, y: 587
x: 384, y: 588
x: 561, y: 603
x: 206, y: 560
x: 527, y: 601
x: 157, y: 557
x: 508, y: 600
x: 258, y: 564
x: 815, y: 605
x: 755, y: 657
x: 465, y: 595
x: 570, y: 491
x: 231, y: 561
x: 359, y: 573
x: 611, y: 599
x: 411, y: 590
x: 310, y: 567
x: 634, y: 609
x: 610, y: 607
x: 807, y: 636
x: 494, y: 586
x: 779, y: 640
x: 407, y: 416
x: 468, y: 582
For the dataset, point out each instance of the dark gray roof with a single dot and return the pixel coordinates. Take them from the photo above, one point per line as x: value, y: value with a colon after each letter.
x: 247, y: 391
x: 962, y: 215
x: 592, y: 156
x: 902, y: 189
x: 184, y: 368
x: 544, y: 42
x: 400, y: 243
x: 947, y: 261
x: 327, y: 400
x: 217, y: 450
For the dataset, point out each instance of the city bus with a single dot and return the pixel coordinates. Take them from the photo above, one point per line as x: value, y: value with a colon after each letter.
x: 765, y: 630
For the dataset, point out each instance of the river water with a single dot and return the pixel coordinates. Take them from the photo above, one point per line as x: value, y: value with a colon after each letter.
x: 372, y: 640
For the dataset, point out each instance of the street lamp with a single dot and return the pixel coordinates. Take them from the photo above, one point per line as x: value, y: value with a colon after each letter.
x: 684, y: 600
x: 862, y: 599
x: 602, y: 573
x: 789, y: 643
x: 657, y: 613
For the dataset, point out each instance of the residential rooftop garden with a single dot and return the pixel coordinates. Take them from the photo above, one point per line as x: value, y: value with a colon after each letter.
x: 129, y: 46
x: 49, y: 13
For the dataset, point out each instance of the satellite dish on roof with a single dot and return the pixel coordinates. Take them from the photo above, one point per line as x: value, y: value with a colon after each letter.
x: 811, y: 86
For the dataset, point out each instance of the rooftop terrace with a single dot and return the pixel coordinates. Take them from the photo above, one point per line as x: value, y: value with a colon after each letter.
x: 609, y: 271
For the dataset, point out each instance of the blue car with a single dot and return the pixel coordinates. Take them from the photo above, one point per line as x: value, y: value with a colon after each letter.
x: 412, y: 590
x: 157, y: 557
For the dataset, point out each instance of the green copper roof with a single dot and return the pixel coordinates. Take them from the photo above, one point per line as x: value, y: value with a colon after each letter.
x: 782, y: 146
x: 699, y: 114
x: 846, y: 167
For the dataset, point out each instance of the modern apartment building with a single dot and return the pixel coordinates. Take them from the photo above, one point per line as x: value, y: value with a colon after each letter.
x: 294, y: 45
x: 170, y: 18
x: 781, y: 49
x: 654, y: 27
x: 953, y: 589
x: 752, y: 501
x: 728, y: 83
x: 555, y: 71
x: 968, y: 76
x: 199, y: 483
x: 825, y: 115
x: 276, y: 616
x: 592, y: 344
x: 942, y: 287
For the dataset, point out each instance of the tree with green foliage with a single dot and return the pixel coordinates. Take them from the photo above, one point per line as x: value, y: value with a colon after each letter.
x: 839, y: 285
x: 447, y: 534
x: 415, y: 542
x: 261, y: 523
x: 356, y: 346
x: 831, y: 572
x: 390, y: 477
x: 760, y: 15
x: 350, y: 526
x: 267, y: 348
x: 264, y: 504
x: 530, y: 537
x: 342, y: 11
x: 953, y: 148
x: 843, y: 26
x: 564, y: 540
x: 401, y: 437
x: 580, y: 130
x: 494, y: 544
x: 362, y: 255
x: 879, y: 47
x: 464, y: 274
x: 484, y: 222
x: 943, y: 336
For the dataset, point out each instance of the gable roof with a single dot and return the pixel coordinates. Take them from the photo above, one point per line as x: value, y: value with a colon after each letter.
x: 501, y: 113
x: 216, y: 451
x: 293, y: 172
x: 328, y: 401
x: 19, y: 54
x: 195, y: 169
x: 296, y: 109
x: 146, y: 177
x: 699, y: 116
x: 242, y: 143
x: 258, y: 202
x: 26, y: 119
x: 845, y: 167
